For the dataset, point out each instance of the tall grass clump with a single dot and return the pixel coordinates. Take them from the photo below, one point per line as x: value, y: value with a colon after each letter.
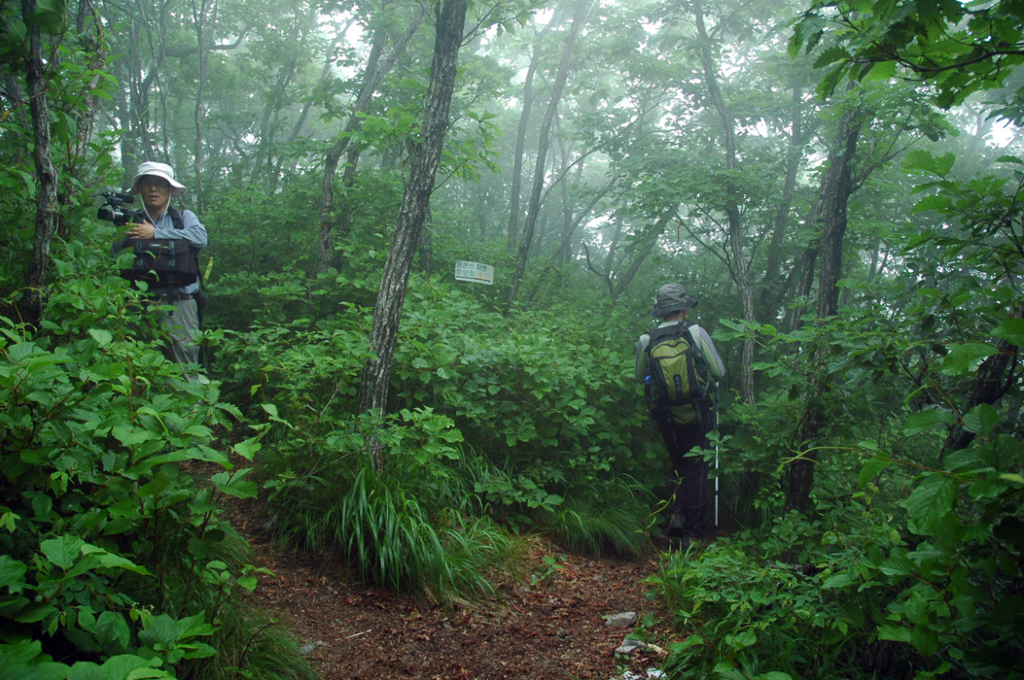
x: 410, y: 525
x: 608, y: 516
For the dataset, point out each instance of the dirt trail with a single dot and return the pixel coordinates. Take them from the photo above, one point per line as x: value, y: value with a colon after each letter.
x: 551, y: 630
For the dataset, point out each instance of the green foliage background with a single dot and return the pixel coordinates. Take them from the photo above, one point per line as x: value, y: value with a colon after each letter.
x: 116, y: 561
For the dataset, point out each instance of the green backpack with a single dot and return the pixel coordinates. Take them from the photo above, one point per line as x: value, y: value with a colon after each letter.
x: 677, y: 378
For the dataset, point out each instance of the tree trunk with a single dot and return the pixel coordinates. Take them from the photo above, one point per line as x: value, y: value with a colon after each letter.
x: 373, y: 390
x: 325, y: 73
x: 803, y: 270
x: 90, y: 39
x: 157, y: 72
x: 991, y: 384
x: 579, y: 17
x: 517, y: 157
x: 834, y: 197
x: 771, y: 297
x: 609, y: 261
x: 567, y: 237
x: 375, y: 71
x: 732, y: 210
x: 205, y: 16
x: 31, y: 304
x: 271, y: 121
x: 638, y: 258
x: 426, y: 246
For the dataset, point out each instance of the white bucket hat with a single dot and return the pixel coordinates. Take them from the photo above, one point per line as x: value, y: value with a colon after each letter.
x: 158, y: 170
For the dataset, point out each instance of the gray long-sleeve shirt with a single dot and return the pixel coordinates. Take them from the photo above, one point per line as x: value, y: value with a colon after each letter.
x: 707, y: 347
x: 192, y: 230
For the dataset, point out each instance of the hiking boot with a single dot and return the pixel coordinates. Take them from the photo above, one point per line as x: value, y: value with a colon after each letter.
x: 675, y: 526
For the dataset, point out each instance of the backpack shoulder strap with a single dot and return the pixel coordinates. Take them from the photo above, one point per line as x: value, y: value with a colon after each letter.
x: 694, y: 332
x: 175, y: 218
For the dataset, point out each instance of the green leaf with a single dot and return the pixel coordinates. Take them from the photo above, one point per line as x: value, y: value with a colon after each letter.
x: 924, y: 420
x: 898, y: 564
x: 930, y: 500
x: 86, y: 670
x: 934, y: 202
x: 248, y: 582
x: 25, y: 660
x: 894, y: 633
x: 159, y: 483
x: 728, y: 672
x: 981, y: 419
x: 923, y: 162
x: 111, y: 561
x: 830, y: 56
x: 63, y: 550
x: 963, y: 359
x: 162, y: 630
x: 11, y: 571
x: 872, y: 466
x: 247, y: 449
x: 130, y: 437
x: 880, y: 71
x: 1011, y: 330
x: 34, y: 613
x: 743, y: 639
x: 236, y: 485
x: 9, y: 521
x: 837, y: 581
x: 127, y: 665
x: 925, y: 640
x: 102, y: 337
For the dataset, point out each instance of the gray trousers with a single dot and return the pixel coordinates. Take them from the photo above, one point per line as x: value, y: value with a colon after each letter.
x: 182, y: 324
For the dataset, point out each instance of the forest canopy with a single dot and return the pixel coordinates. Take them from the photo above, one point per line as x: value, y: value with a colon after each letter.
x: 835, y: 182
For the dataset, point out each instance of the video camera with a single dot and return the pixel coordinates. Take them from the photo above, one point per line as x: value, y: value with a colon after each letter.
x: 111, y: 209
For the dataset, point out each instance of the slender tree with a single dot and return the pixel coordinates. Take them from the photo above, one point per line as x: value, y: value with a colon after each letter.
x: 533, y: 210
x: 517, y: 155
x: 373, y: 392
x: 739, y: 268
x: 31, y: 305
x: 837, y: 185
x: 376, y: 69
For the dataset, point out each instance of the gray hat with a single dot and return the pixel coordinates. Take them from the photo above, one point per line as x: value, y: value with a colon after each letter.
x: 671, y: 297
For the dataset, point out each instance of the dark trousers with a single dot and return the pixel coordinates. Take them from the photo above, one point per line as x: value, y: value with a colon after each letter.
x: 685, y: 444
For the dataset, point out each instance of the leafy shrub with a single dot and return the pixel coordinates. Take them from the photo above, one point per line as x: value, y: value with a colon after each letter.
x: 954, y: 587
x: 918, y: 575
x: 111, y: 553
x: 755, y: 616
x: 550, y: 416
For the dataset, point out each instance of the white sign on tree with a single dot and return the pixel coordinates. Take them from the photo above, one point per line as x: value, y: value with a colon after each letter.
x: 474, y: 271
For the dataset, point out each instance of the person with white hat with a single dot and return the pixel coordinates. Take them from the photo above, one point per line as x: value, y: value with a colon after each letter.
x: 155, y: 183
x: 683, y: 427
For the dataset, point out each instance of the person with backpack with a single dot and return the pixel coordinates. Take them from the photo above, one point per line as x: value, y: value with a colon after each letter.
x: 156, y: 185
x: 679, y: 367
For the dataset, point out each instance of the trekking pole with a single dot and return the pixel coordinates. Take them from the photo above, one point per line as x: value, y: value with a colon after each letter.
x: 716, y: 459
